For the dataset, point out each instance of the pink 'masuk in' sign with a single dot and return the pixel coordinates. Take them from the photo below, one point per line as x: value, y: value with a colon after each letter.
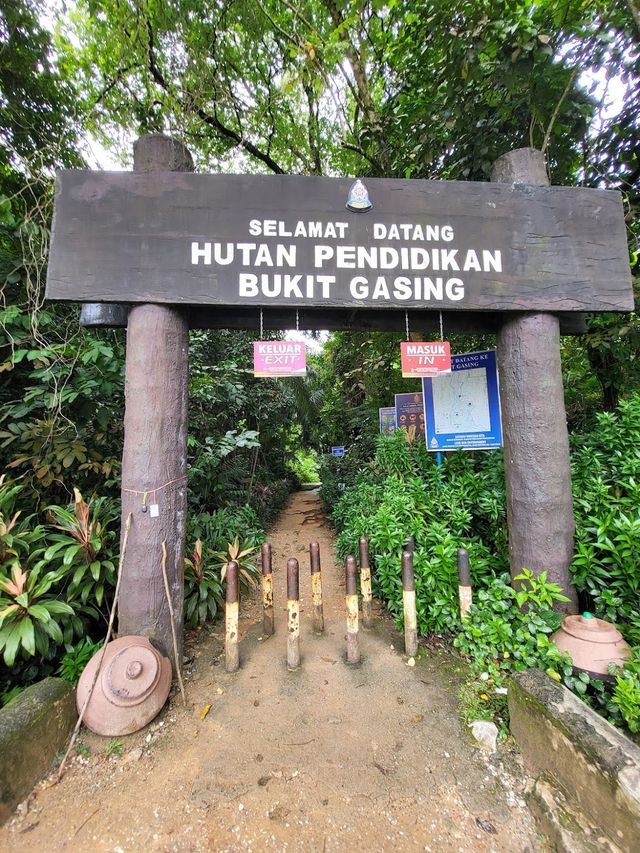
x: 279, y: 358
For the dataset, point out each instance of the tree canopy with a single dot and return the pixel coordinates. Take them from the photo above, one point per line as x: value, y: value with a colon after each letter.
x: 374, y: 87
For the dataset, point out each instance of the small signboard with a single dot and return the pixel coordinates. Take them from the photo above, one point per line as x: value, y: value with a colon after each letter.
x: 337, y: 451
x: 387, y: 419
x: 279, y: 358
x: 410, y: 415
x: 462, y: 410
x: 425, y: 358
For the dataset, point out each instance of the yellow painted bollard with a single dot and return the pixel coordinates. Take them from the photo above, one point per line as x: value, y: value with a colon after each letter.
x: 316, y: 587
x: 231, y: 652
x: 351, y: 574
x: 365, y: 584
x: 464, y: 582
x: 267, y: 591
x: 409, y: 605
x: 293, y: 608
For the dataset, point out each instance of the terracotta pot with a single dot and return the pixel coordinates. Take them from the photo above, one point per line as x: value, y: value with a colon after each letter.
x: 592, y: 643
x: 131, y: 688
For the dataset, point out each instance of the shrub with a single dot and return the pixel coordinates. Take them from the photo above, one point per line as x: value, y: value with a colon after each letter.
x: 402, y: 494
x: 203, y: 593
x: 626, y: 692
x: 606, y: 492
x: 76, y: 658
x: 85, y: 543
x: 30, y: 615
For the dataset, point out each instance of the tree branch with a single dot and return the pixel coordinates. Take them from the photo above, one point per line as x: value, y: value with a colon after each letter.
x: 211, y: 120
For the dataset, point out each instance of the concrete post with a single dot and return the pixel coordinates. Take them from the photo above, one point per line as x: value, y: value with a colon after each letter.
x: 536, y: 441
x: 154, y: 459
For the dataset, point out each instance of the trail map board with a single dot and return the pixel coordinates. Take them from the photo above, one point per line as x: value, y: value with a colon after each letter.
x: 274, y: 241
x: 462, y: 408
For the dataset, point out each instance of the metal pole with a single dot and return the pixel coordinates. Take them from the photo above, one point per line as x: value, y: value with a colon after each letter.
x: 464, y: 582
x: 409, y: 545
x: 365, y: 583
x: 351, y: 574
x: 267, y: 591
x: 293, y: 608
x: 409, y: 605
x: 231, y: 653
x: 316, y: 587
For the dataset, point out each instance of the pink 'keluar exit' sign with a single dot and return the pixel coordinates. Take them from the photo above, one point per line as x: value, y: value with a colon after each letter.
x: 279, y: 358
x: 425, y: 358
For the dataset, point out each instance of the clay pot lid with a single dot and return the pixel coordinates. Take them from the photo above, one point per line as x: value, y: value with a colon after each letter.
x: 131, y: 688
x: 588, y: 627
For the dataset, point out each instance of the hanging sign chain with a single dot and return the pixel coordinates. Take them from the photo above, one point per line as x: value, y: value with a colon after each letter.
x: 406, y: 322
x: 261, y: 327
x: 441, y: 328
x: 297, y: 321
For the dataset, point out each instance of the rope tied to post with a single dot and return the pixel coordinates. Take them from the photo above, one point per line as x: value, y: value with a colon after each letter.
x: 146, y: 492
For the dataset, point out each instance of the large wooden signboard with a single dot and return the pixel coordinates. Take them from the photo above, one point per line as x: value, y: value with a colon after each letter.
x: 284, y: 241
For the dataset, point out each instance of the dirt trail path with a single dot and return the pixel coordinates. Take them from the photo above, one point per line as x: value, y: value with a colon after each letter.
x: 329, y: 758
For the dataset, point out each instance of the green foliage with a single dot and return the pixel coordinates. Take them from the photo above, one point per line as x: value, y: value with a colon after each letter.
x: 224, y: 525
x: 29, y: 616
x: 115, y: 747
x: 20, y: 536
x: 606, y: 492
x: 10, y: 693
x: 37, y: 99
x: 305, y: 466
x: 626, y: 693
x: 402, y: 493
x: 500, y: 635
x: 76, y: 658
x: 82, y: 749
x: 85, y: 544
x: 203, y: 591
x: 505, y: 631
x: 405, y: 494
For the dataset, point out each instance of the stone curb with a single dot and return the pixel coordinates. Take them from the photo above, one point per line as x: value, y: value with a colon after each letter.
x: 595, y: 766
x: 33, y: 729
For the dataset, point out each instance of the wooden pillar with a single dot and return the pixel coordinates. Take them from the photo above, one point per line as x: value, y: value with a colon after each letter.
x: 536, y: 441
x: 154, y: 459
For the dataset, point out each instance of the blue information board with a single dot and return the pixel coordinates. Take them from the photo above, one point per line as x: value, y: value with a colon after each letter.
x: 337, y: 451
x: 462, y: 409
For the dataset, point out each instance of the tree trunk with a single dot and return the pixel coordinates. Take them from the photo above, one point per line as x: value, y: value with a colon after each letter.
x: 154, y: 460
x: 536, y: 441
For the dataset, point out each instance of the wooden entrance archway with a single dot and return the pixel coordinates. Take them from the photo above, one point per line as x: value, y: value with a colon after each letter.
x: 562, y: 251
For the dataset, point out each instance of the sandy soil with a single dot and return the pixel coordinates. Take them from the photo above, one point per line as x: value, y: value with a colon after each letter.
x: 329, y: 758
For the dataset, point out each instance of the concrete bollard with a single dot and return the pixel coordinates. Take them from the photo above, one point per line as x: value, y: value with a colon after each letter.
x: 231, y: 652
x: 267, y: 591
x: 351, y: 573
x: 409, y: 605
x: 365, y: 583
x: 293, y: 608
x: 316, y: 587
x: 464, y: 582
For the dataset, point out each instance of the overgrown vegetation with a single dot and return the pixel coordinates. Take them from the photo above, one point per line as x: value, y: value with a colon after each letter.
x: 401, y: 493
x: 368, y: 88
x: 57, y: 579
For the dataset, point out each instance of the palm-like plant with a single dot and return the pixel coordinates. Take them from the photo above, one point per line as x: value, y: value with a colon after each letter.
x: 27, y: 615
x: 246, y: 567
x: 17, y: 536
x: 202, y: 588
x: 83, y: 543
